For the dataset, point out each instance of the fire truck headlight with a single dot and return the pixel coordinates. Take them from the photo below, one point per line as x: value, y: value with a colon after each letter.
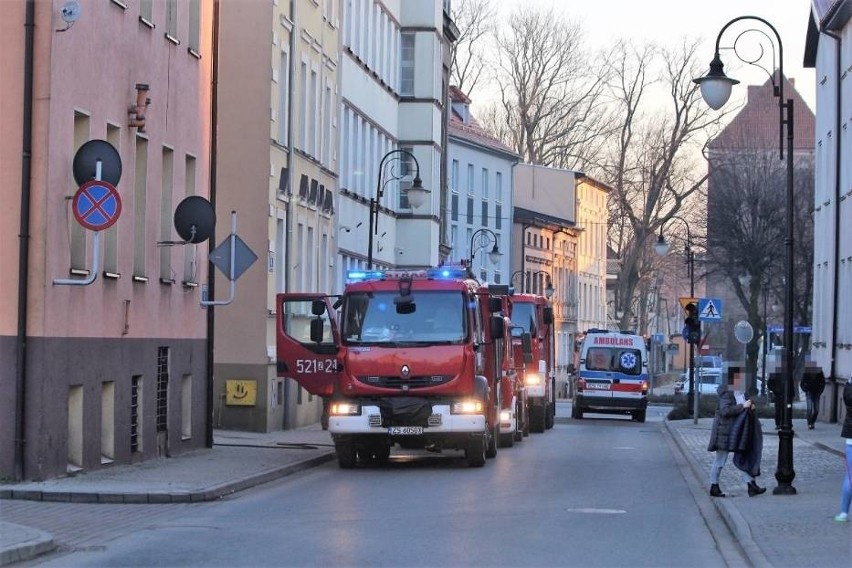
x: 345, y: 409
x: 467, y: 407
x: 505, y: 416
x: 533, y: 379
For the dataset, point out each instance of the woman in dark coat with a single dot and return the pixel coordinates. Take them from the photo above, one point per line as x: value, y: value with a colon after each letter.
x: 732, y: 402
x: 813, y: 383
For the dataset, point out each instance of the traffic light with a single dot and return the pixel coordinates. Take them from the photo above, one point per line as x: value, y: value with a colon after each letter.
x: 692, y: 327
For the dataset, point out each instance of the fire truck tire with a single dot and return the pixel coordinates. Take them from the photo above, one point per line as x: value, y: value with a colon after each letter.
x: 549, y: 419
x: 380, y: 454
x: 639, y: 416
x: 537, y: 419
x: 347, y: 455
x: 518, y: 435
x: 507, y: 440
x: 475, y: 452
x: 491, y: 448
x: 527, y: 424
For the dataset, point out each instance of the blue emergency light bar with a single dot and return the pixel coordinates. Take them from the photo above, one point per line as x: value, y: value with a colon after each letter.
x: 440, y: 273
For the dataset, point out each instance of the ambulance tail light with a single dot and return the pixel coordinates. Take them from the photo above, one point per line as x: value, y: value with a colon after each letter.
x: 581, y: 384
x: 644, y: 387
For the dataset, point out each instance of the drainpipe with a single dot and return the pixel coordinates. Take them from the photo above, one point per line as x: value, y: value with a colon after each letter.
x: 24, y: 244
x: 211, y: 242
x: 834, y: 411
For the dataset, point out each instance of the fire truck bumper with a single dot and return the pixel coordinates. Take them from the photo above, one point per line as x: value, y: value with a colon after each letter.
x: 441, y: 423
x: 535, y: 391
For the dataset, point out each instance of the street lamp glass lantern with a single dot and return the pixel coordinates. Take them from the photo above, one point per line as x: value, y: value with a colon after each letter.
x: 494, y: 255
x: 548, y: 291
x: 715, y: 86
x: 662, y: 247
x: 417, y: 193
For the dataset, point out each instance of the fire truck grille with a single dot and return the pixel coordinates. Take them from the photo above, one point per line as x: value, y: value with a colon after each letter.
x: 375, y: 420
x: 405, y: 383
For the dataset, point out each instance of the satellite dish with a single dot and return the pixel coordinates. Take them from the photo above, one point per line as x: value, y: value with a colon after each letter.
x: 86, y: 160
x: 70, y: 13
x: 743, y: 331
x: 195, y: 219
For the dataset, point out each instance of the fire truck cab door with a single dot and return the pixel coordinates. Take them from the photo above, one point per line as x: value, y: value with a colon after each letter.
x: 310, y: 361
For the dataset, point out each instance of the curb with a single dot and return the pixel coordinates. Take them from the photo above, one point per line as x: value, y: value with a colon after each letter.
x: 29, y: 543
x: 735, y: 522
x: 159, y: 497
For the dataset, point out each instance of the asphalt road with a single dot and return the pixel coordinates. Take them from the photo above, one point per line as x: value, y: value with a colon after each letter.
x: 602, y: 491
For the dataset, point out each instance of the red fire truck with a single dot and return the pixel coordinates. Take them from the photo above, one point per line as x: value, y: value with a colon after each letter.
x: 533, y: 345
x: 411, y: 358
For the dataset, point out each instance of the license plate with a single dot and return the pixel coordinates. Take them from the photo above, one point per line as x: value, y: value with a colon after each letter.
x: 598, y: 386
x: 405, y: 430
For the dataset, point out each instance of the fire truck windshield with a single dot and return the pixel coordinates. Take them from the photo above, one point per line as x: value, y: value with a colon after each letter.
x: 523, y: 318
x: 371, y: 318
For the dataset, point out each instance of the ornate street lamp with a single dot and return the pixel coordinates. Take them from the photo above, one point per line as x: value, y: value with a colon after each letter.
x: 662, y: 248
x: 416, y: 193
x: 485, y: 237
x: 715, y: 89
x: 548, y: 288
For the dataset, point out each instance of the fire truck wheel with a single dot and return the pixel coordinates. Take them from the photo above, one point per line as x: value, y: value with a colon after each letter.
x: 639, y: 416
x: 527, y: 424
x: 379, y: 454
x: 347, y: 455
x: 491, y: 451
x: 537, y: 419
x: 549, y: 419
x: 507, y: 440
x: 518, y: 436
x: 475, y: 452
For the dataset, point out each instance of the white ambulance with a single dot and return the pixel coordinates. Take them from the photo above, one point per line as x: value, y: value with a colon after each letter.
x: 612, y: 376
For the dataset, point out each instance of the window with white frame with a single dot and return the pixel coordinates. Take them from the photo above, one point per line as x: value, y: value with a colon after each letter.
x: 485, y: 184
x: 283, y: 98
x: 303, y: 106
x: 498, y: 190
x: 454, y: 177
x: 470, y: 179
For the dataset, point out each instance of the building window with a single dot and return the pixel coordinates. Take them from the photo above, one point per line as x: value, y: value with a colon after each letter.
x: 108, y: 422
x: 498, y: 191
x: 189, y: 264
x: 485, y: 184
x: 146, y: 11
x: 283, y: 98
x: 454, y: 177
x: 171, y: 19
x: 135, y: 414
x: 186, y: 407
x: 194, y: 26
x: 162, y: 389
x: 166, y: 215
x: 111, y: 234
x: 139, y: 204
x: 406, y: 169
x: 470, y: 179
x: 406, y: 69
x: 78, y: 234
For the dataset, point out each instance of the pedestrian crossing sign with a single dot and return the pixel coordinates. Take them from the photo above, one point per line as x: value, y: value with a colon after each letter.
x: 710, y: 309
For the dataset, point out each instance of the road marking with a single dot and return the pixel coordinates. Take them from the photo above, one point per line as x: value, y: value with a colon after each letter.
x: 598, y: 511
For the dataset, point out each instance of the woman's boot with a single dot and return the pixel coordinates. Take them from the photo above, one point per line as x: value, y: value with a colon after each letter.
x: 755, y: 489
x: 716, y: 492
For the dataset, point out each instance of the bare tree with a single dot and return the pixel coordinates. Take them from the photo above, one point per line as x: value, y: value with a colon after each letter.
x: 653, y: 161
x: 550, y: 92
x: 476, y: 21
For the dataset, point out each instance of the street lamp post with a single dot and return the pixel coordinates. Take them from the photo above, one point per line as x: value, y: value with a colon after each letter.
x: 518, y: 273
x: 716, y: 89
x: 662, y: 248
x: 416, y: 193
x: 485, y: 237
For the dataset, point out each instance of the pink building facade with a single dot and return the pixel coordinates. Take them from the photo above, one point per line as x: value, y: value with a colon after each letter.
x: 116, y: 370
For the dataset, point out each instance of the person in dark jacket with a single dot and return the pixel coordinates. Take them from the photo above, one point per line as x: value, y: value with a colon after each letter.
x: 813, y: 383
x: 732, y: 403
x: 846, y: 432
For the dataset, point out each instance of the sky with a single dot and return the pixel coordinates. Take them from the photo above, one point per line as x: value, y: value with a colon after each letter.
x: 668, y: 22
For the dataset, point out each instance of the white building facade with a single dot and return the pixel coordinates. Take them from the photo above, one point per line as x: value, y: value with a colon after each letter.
x: 829, y: 50
x: 479, y: 212
x: 392, y: 98
x: 592, y: 197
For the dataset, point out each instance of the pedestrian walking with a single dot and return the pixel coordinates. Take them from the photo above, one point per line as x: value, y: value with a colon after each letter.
x: 846, y: 491
x: 813, y: 383
x: 729, y: 433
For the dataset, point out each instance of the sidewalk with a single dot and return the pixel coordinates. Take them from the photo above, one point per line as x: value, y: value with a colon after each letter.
x: 772, y: 530
x: 779, y: 530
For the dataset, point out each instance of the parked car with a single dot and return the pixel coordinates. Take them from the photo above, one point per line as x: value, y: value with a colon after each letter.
x: 709, y: 374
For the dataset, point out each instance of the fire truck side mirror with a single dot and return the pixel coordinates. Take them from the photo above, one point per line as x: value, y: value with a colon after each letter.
x: 318, y: 307
x: 526, y: 347
x: 548, y: 315
x: 498, y: 327
x: 316, y: 330
x: 495, y: 304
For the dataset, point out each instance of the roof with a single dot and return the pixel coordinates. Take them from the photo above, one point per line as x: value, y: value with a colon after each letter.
x: 472, y: 131
x: 757, y: 123
x: 825, y: 15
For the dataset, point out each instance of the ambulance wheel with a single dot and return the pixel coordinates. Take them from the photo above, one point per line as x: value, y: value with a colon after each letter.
x: 639, y: 416
x: 507, y: 440
x: 491, y: 451
x: 347, y: 455
x: 576, y: 412
x: 475, y: 452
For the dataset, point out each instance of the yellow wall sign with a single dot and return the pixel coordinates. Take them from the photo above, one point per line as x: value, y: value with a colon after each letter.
x: 241, y: 392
